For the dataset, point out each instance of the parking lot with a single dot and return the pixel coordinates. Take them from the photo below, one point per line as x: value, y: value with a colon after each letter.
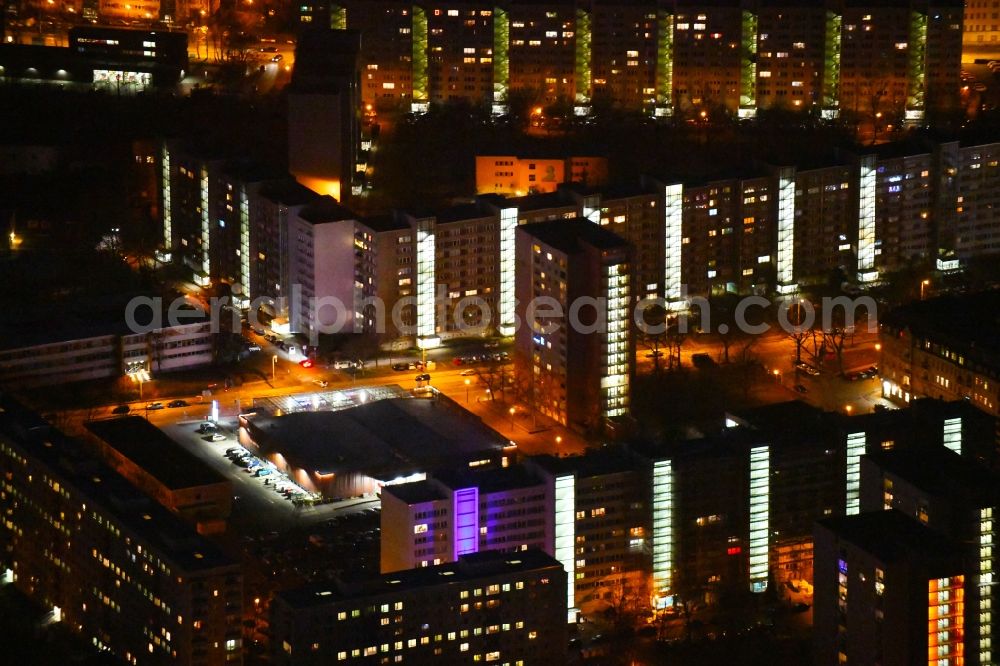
x: 264, y: 501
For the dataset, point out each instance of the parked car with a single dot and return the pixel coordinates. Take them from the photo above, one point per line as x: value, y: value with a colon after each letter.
x: 468, y: 373
x: 492, y: 344
x: 253, y: 348
x: 177, y: 403
x: 121, y: 409
x: 217, y: 437
x: 423, y: 378
x: 155, y: 405
x: 206, y: 427
x: 801, y: 389
x: 258, y: 331
x: 702, y: 361
x: 806, y: 368
x: 400, y: 367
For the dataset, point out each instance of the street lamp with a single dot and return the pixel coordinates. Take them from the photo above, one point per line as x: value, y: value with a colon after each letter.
x: 849, y: 409
x: 923, y: 287
x: 467, y: 382
x: 777, y: 375
x: 558, y: 440
x: 274, y: 363
x: 511, y: 410
x: 878, y: 346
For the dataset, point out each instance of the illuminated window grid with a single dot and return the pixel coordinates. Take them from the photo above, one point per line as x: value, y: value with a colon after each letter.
x: 916, y: 75
x: 945, y: 621
x: 168, y: 239
x: 565, y: 532
x: 206, y: 265
x: 673, y: 230
x: 952, y: 435
x: 855, y: 449
x: 244, y: 243
x: 614, y: 385
x: 508, y: 225
x: 866, y: 219
x: 986, y: 558
x: 786, y: 230
x: 831, y: 66
x: 425, y: 279
x: 760, y: 491
x: 465, y: 516
x: 748, y: 66
x: 663, y: 526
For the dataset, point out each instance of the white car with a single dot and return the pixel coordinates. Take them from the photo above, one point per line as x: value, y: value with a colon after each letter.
x: 217, y: 437
x: 322, y: 383
x: 808, y: 369
x: 468, y: 373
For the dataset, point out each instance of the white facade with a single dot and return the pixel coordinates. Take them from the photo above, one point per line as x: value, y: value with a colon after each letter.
x: 330, y: 273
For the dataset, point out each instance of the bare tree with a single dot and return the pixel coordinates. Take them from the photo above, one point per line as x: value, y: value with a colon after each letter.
x: 653, y: 332
x: 493, y: 374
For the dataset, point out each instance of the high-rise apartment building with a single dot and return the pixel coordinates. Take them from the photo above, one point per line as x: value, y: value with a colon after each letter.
x: 954, y: 496
x: 900, y: 59
x: 579, y: 364
x: 324, y: 104
x: 888, y: 590
x: 331, y: 270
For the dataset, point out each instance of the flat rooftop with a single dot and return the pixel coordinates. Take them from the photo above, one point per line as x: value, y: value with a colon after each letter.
x: 967, y: 322
x: 467, y: 568
x: 541, y: 201
x: 157, y: 454
x: 90, y: 318
x: 107, y: 491
x: 940, y: 471
x: 325, y: 209
x: 384, y: 439
x: 569, y: 235
x: 892, y: 535
x: 606, y: 460
x: 494, y: 480
x: 415, y: 492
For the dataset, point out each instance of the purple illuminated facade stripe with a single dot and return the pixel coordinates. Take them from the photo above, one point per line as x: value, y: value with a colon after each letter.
x: 465, y: 521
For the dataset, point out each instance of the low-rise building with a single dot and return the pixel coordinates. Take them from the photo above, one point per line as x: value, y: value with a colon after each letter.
x: 114, y: 566
x: 945, y: 348
x: 164, y: 470
x: 99, y: 343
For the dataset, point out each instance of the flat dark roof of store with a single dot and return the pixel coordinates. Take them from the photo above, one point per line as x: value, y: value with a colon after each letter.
x: 383, y: 439
x: 151, y: 449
